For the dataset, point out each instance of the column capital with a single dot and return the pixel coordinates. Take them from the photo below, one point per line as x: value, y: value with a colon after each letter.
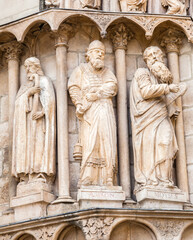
x: 120, y: 35
x: 171, y: 40
x: 11, y: 50
x: 64, y: 33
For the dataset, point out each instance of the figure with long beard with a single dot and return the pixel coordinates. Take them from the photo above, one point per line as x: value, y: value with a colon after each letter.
x: 92, y: 87
x: 152, y: 100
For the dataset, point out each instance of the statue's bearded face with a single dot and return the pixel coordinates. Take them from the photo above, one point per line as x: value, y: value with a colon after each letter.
x: 96, y: 58
x: 30, y: 70
x: 155, y: 63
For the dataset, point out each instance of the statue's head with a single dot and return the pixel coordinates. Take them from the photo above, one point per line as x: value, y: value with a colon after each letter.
x: 32, y: 66
x: 154, y: 58
x: 95, y: 54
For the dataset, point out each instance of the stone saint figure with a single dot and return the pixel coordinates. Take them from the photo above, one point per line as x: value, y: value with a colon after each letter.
x: 133, y: 5
x: 33, y: 155
x: 92, y: 87
x: 174, y: 6
x: 152, y: 99
x: 96, y: 4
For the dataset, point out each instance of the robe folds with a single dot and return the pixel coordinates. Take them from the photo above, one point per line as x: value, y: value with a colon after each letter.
x: 97, y: 127
x: 154, y: 140
x: 34, y: 140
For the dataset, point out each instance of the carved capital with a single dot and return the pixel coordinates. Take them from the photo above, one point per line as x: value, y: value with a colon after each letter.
x: 96, y: 228
x: 171, y: 40
x: 11, y: 50
x: 120, y: 35
x: 62, y: 36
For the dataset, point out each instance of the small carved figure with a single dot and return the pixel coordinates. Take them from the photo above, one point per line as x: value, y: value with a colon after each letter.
x: 133, y: 5
x: 154, y: 141
x: 174, y: 6
x: 92, y: 87
x: 52, y: 3
x: 33, y: 155
x: 96, y: 4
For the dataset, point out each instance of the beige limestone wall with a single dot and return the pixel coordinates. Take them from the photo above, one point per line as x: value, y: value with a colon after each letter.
x: 186, y: 74
x: 4, y: 138
x: 12, y: 10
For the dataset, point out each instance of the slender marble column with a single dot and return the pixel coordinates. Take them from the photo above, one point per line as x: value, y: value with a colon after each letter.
x: 120, y: 35
x: 12, y: 51
x: 172, y: 40
x: 62, y: 37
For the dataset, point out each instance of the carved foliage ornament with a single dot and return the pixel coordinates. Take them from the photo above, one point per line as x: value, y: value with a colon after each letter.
x: 171, y: 40
x: 5, y: 237
x: 168, y: 229
x: 11, y: 50
x: 44, y: 233
x: 120, y: 35
x: 96, y: 228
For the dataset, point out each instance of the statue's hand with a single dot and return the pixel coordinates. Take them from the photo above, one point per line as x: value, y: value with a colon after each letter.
x: 79, y: 111
x: 91, y: 97
x: 174, y: 88
x: 33, y: 91
x: 37, y: 115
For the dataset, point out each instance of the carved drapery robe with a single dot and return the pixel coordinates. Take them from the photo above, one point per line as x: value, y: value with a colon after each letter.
x: 174, y: 6
x: 34, y: 153
x: 91, y: 3
x: 98, y: 127
x: 154, y: 140
x: 133, y: 5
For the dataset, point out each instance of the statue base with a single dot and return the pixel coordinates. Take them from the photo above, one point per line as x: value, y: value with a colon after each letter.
x: 101, y: 197
x: 32, y: 200
x: 161, y: 198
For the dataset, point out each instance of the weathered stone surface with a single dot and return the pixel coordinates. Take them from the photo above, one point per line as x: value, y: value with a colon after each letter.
x: 188, y: 123
x: 73, y: 139
x: 4, y: 109
x: 131, y: 66
x: 133, y: 47
x: 4, y: 83
x: 189, y: 149
x: 190, y: 177
x: 72, y: 120
x: 185, y: 67
x: 187, y: 99
x: 74, y: 175
x: 72, y: 61
x: 4, y: 135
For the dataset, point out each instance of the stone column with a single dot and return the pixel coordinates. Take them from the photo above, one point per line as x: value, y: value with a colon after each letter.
x: 120, y: 35
x: 12, y: 51
x: 62, y: 37
x: 172, y: 40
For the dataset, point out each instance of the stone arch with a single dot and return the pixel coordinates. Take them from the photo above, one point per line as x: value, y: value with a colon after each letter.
x: 71, y: 233
x: 30, y: 25
x: 187, y: 234
x: 132, y: 230
x: 7, y: 36
x: 24, y: 236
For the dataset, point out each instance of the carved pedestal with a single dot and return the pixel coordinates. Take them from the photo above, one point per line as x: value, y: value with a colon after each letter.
x: 99, y: 196
x: 31, y: 200
x: 167, y: 199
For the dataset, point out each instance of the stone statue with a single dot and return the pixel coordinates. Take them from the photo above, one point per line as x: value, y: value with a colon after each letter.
x: 34, y: 130
x: 96, y: 4
x: 133, y: 5
x: 174, y: 6
x: 152, y: 99
x: 92, y: 87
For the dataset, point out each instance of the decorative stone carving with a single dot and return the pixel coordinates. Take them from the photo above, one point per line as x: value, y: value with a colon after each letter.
x: 11, y: 50
x: 64, y: 33
x: 96, y: 4
x: 6, y: 237
x: 52, y: 3
x: 34, y: 131
x: 133, y: 5
x: 154, y: 140
x: 120, y: 35
x: 92, y: 87
x: 168, y: 229
x: 44, y: 233
x: 174, y: 6
x: 172, y: 40
x: 96, y: 228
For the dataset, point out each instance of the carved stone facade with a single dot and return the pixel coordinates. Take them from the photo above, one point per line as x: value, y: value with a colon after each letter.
x: 96, y: 114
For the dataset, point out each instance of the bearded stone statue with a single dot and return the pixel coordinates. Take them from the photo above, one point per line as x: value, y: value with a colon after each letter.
x: 152, y: 100
x: 92, y: 87
x: 34, y: 129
